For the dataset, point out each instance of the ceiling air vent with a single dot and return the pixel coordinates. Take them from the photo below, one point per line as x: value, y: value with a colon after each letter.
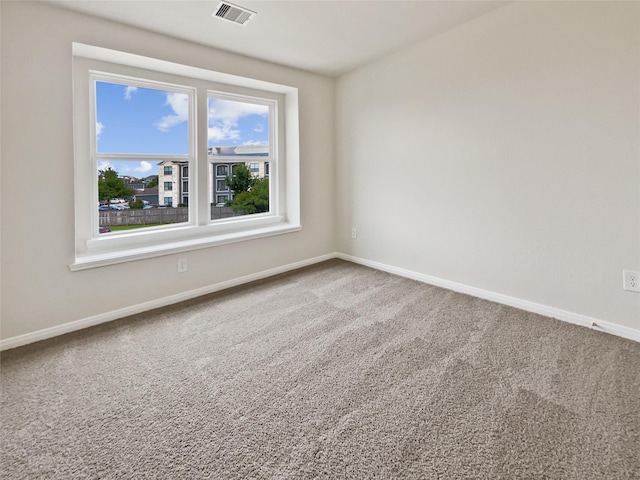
x: 233, y: 13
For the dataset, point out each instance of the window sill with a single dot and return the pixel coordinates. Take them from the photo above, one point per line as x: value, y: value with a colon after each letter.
x: 129, y: 254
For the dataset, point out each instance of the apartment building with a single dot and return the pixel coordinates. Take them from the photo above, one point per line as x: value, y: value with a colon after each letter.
x: 173, y: 183
x: 173, y: 176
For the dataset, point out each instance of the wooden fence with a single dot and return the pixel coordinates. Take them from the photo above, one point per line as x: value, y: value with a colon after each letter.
x: 156, y: 216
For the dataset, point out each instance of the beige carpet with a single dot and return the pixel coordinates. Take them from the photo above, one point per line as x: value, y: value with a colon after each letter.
x: 333, y: 371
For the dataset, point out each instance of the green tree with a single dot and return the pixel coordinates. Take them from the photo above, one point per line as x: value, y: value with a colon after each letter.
x: 111, y: 186
x: 254, y: 200
x: 241, y: 179
x: 153, y: 182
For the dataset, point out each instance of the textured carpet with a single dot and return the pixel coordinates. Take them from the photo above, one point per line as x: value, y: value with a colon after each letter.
x: 333, y: 371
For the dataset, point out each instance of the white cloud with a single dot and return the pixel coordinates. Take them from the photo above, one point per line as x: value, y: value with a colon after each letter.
x: 231, y: 110
x: 128, y: 91
x: 179, y: 103
x: 255, y: 142
x: 223, y: 131
x: 105, y: 165
x: 126, y: 167
x: 259, y: 128
x: 144, y: 167
x: 224, y: 116
x: 99, y: 128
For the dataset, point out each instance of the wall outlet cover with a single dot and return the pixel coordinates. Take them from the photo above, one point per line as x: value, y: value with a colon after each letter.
x: 631, y: 280
x: 182, y: 265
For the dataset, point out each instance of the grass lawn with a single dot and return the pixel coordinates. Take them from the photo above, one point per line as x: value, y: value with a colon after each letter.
x: 117, y: 228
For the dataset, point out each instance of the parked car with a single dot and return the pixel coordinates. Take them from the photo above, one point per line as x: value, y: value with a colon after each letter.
x: 103, y: 208
x: 104, y: 230
x: 119, y: 206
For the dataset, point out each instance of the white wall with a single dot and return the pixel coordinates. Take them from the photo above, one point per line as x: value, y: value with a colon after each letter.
x: 38, y: 290
x: 503, y: 155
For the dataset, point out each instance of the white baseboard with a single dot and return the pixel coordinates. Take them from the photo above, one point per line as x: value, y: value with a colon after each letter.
x: 575, y: 318
x: 46, y: 333
x: 566, y: 316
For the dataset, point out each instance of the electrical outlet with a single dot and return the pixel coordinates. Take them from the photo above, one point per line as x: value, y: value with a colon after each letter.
x: 354, y: 233
x: 182, y: 265
x: 631, y: 280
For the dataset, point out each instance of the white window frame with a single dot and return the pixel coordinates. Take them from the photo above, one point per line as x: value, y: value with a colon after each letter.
x: 235, y: 160
x: 93, y: 250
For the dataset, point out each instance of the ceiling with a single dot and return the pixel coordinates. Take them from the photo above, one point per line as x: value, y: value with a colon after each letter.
x: 323, y: 36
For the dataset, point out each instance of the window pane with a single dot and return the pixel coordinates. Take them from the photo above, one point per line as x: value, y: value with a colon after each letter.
x: 222, y: 170
x: 248, y: 189
x: 129, y: 193
x: 141, y: 120
x: 238, y: 128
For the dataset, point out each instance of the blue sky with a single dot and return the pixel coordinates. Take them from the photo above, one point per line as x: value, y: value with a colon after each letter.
x: 142, y: 120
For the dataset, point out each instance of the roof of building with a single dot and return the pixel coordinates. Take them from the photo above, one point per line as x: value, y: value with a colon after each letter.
x: 237, y: 150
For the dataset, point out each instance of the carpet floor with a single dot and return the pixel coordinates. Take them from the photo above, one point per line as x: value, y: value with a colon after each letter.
x: 334, y: 371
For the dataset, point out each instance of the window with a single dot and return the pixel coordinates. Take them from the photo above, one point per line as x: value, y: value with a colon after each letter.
x: 221, y: 186
x: 134, y: 116
x: 222, y: 170
x: 240, y: 130
x: 266, y: 169
x: 221, y: 199
x: 131, y: 135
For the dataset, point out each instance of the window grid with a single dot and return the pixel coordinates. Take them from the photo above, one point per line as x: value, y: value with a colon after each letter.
x: 222, y: 170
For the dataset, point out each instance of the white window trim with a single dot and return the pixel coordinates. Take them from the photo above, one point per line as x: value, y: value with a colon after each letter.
x: 284, y: 216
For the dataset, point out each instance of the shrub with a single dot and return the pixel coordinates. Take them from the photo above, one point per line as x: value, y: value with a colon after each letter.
x: 136, y: 204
